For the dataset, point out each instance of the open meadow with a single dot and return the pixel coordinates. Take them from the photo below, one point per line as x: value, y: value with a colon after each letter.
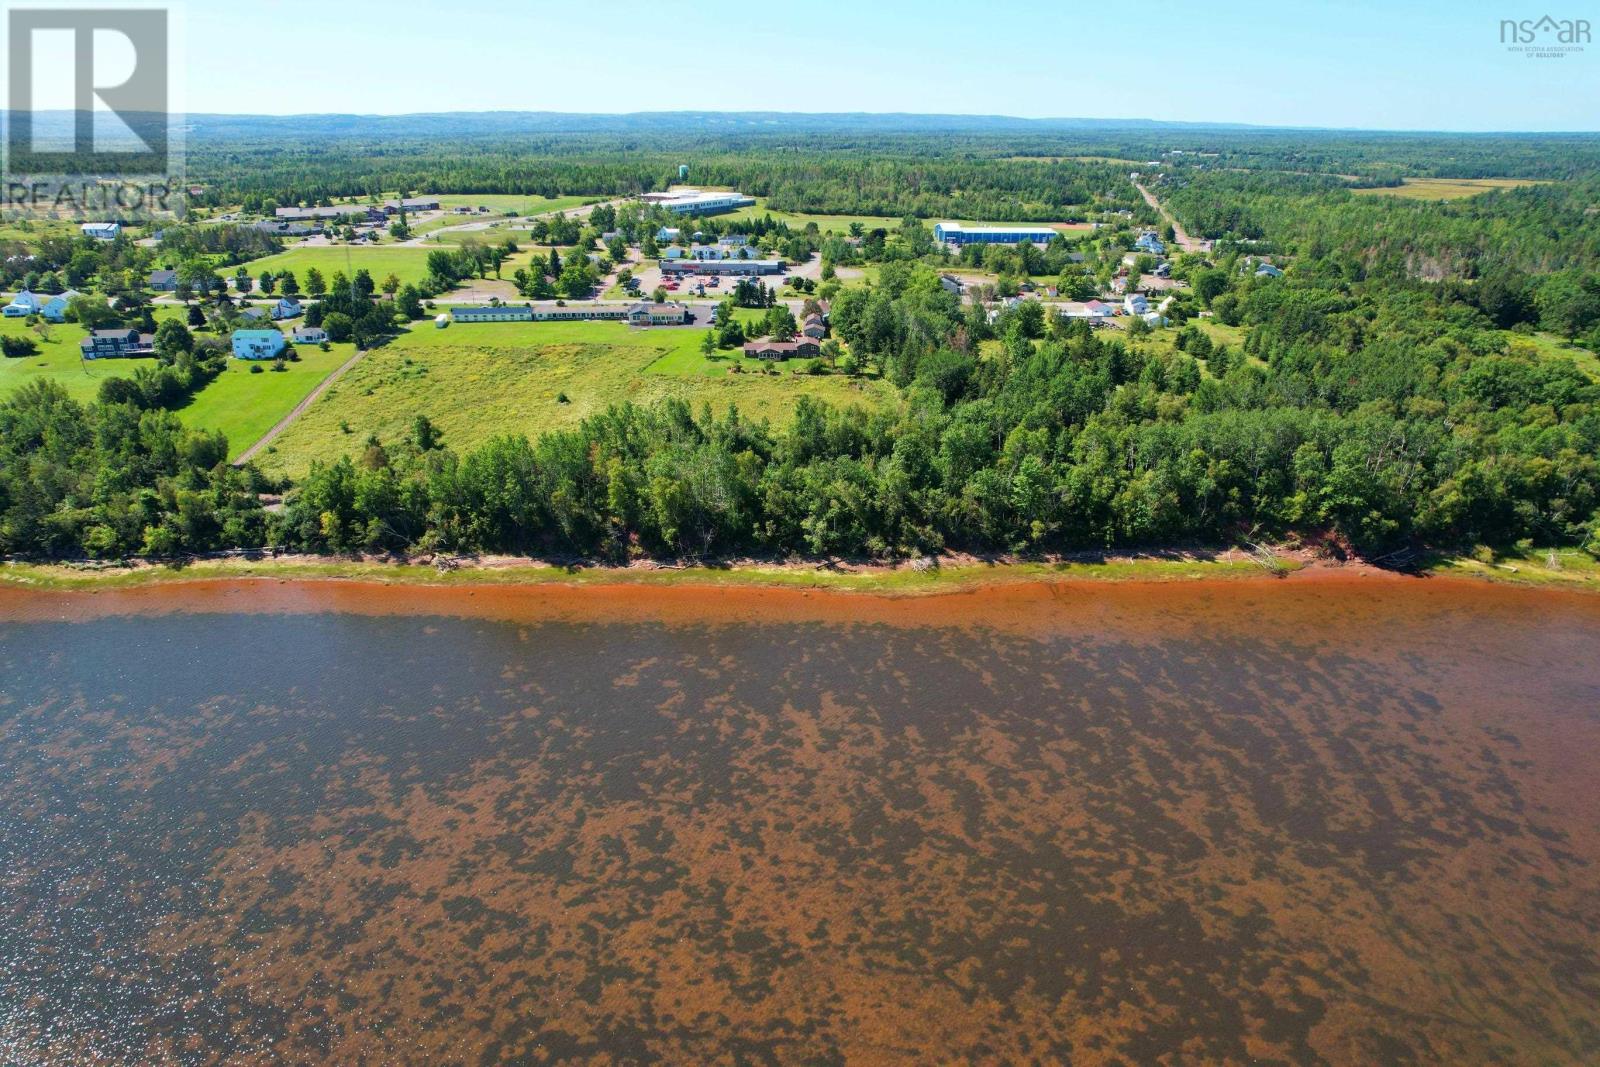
x: 1445, y: 188
x: 500, y: 203
x: 477, y: 380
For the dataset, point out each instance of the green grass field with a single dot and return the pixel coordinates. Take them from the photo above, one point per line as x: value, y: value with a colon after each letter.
x: 58, y: 360
x: 1549, y: 346
x: 240, y: 404
x: 836, y: 223
x: 1445, y: 188
x: 244, y: 405
x: 478, y: 380
x: 499, y: 203
x: 408, y: 264
x: 841, y: 223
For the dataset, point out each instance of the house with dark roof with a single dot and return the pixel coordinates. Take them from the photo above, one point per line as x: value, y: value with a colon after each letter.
x: 799, y: 348
x: 162, y: 281
x: 114, y: 344
x: 411, y: 204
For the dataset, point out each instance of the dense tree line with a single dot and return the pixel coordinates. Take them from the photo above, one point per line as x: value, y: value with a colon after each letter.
x: 115, y: 478
x: 1388, y: 418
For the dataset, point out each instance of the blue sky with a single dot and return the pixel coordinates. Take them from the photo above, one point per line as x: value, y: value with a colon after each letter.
x: 1356, y: 63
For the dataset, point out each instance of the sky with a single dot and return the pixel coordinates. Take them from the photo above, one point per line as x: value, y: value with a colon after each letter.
x: 1355, y: 63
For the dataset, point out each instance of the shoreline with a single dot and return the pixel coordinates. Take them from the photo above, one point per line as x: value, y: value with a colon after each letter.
x: 947, y: 574
x: 1009, y: 595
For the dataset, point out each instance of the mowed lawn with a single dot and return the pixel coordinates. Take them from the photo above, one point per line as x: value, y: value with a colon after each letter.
x: 407, y: 264
x: 245, y: 405
x: 499, y: 203
x: 840, y: 224
x: 1445, y: 188
x: 59, y: 360
x: 478, y: 380
x: 240, y: 404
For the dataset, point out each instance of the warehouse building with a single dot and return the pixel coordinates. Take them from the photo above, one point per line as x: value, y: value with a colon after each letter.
x: 956, y: 234
x: 740, y: 268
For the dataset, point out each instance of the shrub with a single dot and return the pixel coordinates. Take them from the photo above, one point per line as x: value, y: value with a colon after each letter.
x: 17, y: 347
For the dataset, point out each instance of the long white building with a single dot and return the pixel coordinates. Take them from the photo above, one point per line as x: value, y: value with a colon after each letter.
x: 681, y: 201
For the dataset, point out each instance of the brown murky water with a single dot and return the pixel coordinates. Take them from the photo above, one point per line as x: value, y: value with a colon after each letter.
x: 1254, y: 822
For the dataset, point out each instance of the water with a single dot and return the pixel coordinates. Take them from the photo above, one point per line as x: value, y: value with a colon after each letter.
x: 1280, y: 823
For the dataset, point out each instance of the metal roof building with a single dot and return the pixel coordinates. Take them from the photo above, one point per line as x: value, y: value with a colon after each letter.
x: 957, y: 234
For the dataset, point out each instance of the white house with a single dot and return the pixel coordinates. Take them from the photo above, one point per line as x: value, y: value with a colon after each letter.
x: 101, y: 231
x: 309, y: 335
x: 1154, y: 319
x: 22, y: 305
x: 1135, y: 304
x: 286, y: 308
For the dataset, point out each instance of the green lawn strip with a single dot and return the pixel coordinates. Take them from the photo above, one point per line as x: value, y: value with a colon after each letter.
x: 244, y: 404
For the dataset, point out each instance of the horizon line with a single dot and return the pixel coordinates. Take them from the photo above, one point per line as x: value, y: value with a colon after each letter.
x: 1124, y: 122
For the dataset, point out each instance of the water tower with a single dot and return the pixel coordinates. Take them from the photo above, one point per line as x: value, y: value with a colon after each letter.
x: 683, y: 172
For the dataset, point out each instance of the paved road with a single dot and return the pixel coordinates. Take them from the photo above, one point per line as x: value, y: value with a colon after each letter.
x: 299, y: 409
x: 1185, y: 242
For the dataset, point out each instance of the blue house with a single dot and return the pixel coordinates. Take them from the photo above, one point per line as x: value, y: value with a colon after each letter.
x: 286, y: 308
x: 55, y: 309
x: 257, y: 344
x: 22, y: 305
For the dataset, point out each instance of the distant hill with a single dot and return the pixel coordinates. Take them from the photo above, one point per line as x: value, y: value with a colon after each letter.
x: 207, y: 126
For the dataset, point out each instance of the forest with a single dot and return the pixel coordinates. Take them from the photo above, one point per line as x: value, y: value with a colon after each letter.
x: 1393, y: 388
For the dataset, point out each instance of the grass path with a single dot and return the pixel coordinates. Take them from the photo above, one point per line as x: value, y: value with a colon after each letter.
x: 299, y: 409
